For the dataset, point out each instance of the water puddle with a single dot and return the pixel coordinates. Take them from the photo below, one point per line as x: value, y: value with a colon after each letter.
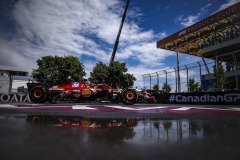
x: 69, y: 137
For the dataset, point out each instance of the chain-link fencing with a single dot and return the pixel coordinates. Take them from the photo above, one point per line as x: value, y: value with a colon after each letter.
x: 205, y: 72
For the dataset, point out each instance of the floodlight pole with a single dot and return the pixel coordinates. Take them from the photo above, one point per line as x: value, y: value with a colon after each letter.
x: 119, y: 33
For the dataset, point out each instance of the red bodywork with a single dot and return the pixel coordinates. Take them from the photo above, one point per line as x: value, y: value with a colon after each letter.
x: 84, y: 90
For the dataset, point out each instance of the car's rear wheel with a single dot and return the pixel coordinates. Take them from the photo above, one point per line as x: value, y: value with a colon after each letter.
x: 35, y: 118
x: 129, y: 96
x: 38, y: 94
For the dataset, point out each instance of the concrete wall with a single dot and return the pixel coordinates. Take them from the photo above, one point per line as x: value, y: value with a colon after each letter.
x: 16, y: 84
x: 19, y: 83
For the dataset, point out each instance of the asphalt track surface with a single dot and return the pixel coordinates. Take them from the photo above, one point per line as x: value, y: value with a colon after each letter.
x: 213, y: 135
x: 124, y: 111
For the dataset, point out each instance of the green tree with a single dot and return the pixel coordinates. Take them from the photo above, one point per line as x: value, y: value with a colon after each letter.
x: 167, y: 125
x: 219, y: 73
x: 156, y: 88
x: 1, y: 72
x: 58, y: 70
x: 99, y: 73
x: 194, y: 128
x: 166, y: 88
x: 114, y: 75
x: 193, y: 85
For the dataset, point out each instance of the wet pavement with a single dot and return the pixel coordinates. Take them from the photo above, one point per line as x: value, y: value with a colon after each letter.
x: 118, y: 111
x: 33, y: 136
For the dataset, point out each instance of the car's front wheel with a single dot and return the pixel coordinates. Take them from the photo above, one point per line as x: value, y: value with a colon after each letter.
x: 129, y: 96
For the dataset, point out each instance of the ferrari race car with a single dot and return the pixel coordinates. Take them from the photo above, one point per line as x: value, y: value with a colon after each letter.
x: 81, y: 91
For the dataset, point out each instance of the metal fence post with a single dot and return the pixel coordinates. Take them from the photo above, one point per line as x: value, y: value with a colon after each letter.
x: 166, y: 81
x: 235, y: 70
x: 178, y: 72
x: 187, y: 78
x: 143, y: 81
x: 158, y: 80
x: 176, y: 80
x: 216, y: 73
x: 150, y: 83
x: 200, y: 72
x: 205, y: 65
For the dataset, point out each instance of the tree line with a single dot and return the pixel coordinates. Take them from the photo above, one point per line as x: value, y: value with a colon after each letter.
x: 60, y: 70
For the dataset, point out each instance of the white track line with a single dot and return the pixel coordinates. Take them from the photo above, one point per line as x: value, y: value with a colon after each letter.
x: 119, y: 107
x: 148, y: 108
x: 221, y: 109
x: 7, y: 106
x: 181, y: 109
x: 205, y: 108
x: 82, y: 107
x: 133, y: 109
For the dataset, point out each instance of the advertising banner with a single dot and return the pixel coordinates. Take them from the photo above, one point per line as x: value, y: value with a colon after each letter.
x: 171, y: 98
x: 14, y: 97
x: 200, y: 98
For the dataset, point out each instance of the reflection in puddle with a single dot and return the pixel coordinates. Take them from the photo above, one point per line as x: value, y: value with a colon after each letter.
x: 72, y: 121
x: 66, y: 137
x: 169, y: 130
x: 139, y: 130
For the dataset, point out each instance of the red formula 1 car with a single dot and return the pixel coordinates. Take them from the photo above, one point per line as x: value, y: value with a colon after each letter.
x: 81, y: 91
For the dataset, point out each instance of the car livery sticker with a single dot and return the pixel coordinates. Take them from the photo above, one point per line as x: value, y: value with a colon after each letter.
x: 86, y: 93
x: 75, y: 84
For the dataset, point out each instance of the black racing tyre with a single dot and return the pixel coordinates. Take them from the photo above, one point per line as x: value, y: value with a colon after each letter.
x: 129, y: 96
x: 37, y: 119
x: 38, y: 94
x: 130, y: 122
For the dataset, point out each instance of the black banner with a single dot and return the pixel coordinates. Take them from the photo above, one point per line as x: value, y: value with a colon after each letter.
x: 170, y: 98
x: 200, y: 98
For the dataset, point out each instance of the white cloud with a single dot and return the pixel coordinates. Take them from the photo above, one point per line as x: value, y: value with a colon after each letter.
x: 191, y: 19
x: 228, y: 4
x: 79, y: 28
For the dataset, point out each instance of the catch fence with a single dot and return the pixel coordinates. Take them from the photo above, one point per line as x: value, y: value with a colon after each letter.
x: 201, y: 71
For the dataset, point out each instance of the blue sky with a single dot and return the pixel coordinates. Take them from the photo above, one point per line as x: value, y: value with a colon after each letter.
x: 30, y: 29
